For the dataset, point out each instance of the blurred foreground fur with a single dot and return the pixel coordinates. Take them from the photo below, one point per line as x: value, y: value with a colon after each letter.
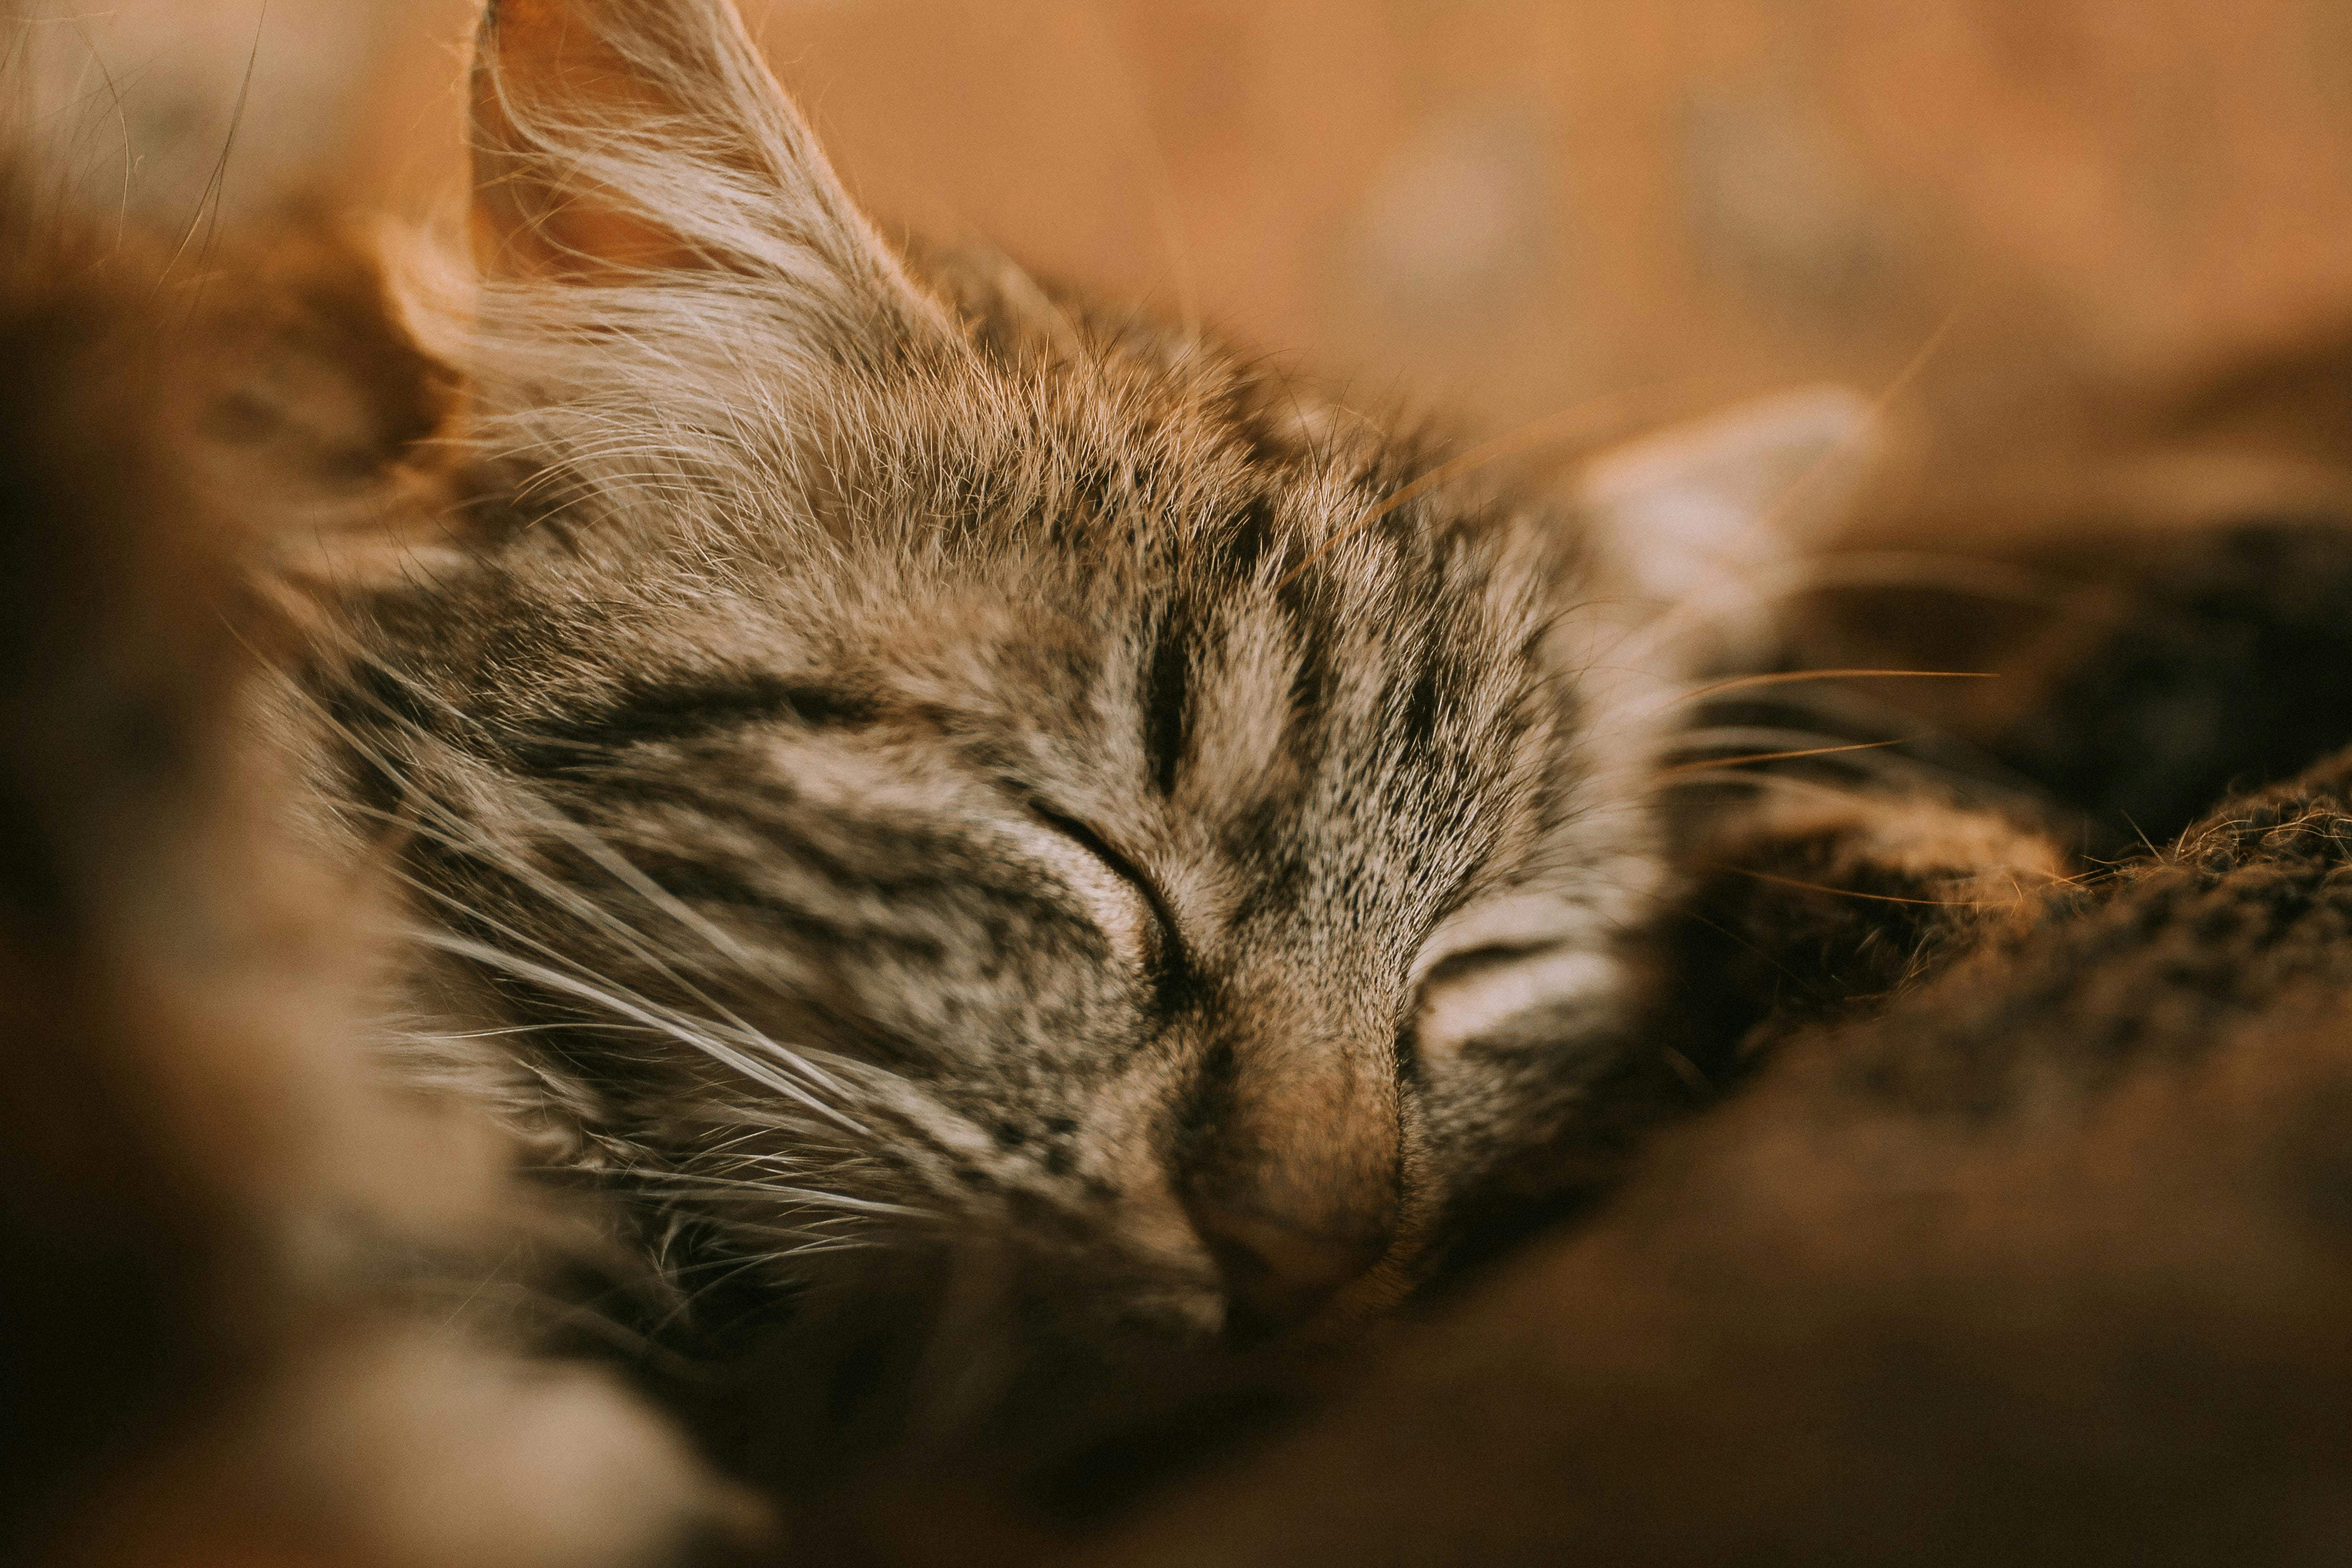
x: 219, y: 1335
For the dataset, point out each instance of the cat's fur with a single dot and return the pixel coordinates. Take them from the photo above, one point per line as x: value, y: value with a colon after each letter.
x: 896, y: 759
x: 888, y: 761
x: 898, y: 755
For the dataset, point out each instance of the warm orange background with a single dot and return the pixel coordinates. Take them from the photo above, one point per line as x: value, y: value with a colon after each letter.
x: 2134, y: 215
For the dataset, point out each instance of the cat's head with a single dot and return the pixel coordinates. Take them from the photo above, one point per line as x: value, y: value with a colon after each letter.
x: 896, y: 752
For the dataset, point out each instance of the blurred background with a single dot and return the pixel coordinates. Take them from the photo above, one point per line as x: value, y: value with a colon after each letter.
x: 2096, y: 253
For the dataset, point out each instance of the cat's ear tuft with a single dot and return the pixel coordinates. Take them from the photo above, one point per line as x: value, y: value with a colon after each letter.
x: 1706, y: 517
x: 1701, y: 520
x: 1731, y: 492
x: 615, y: 139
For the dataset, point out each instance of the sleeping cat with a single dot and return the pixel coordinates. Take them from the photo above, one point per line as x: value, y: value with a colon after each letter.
x: 890, y: 763
x: 932, y: 765
x: 889, y: 755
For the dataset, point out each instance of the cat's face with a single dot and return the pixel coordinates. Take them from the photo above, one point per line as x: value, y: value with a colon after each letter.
x: 906, y: 755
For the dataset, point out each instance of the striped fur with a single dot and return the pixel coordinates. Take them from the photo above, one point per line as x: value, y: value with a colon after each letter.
x: 900, y: 754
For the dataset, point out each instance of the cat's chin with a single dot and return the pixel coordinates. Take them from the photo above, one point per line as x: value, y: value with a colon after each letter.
x: 924, y: 1346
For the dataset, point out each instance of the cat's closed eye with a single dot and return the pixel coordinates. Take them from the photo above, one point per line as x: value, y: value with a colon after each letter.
x: 1521, y: 960
x: 1167, y: 955
x: 1117, y: 896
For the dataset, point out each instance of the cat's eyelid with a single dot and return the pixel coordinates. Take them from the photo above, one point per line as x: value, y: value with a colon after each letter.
x: 1592, y: 980
x: 1117, y: 906
x: 1547, y: 953
x: 1529, y: 921
x: 1148, y: 916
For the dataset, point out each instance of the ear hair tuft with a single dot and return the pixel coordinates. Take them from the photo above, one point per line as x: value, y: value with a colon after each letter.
x: 616, y: 140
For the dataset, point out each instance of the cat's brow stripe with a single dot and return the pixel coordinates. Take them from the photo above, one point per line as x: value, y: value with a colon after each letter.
x: 1166, y: 705
x: 684, y: 709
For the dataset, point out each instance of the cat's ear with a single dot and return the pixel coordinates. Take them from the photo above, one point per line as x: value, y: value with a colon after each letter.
x: 1703, y: 521
x: 614, y: 139
x: 1732, y: 494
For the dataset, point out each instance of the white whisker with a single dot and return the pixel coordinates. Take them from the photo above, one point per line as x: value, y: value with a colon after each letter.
x: 702, y: 1041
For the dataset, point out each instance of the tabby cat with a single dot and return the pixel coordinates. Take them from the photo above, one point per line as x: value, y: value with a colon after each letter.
x: 896, y: 756
x: 986, y: 837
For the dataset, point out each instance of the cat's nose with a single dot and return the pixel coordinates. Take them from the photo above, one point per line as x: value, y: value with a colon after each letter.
x: 1275, y: 1273
x: 1292, y: 1176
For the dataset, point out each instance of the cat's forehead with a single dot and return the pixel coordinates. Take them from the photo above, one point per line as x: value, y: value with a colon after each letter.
x: 1133, y: 577
x: 1078, y: 495
x: 1071, y: 524
x: 1236, y: 657
x: 1049, y: 541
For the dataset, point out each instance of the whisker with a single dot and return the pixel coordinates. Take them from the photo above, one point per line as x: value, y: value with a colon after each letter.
x: 596, y: 913
x: 812, y: 1197
x: 1854, y: 893
x: 564, y: 984
x: 1879, y: 405
x: 573, y: 901
x: 1791, y: 677
x: 621, y: 869
x: 1785, y: 756
x: 805, y: 1197
x: 1752, y: 735
x: 1726, y: 588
